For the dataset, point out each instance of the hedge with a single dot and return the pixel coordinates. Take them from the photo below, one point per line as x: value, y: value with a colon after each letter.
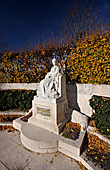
x: 88, y: 61
x: 16, y: 99
x: 101, y: 114
x: 28, y: 67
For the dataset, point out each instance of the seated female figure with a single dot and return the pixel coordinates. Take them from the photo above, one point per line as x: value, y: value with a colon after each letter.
x: 49, y: 86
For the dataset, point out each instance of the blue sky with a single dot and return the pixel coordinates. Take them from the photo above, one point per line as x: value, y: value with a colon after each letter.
x: 23, y: 20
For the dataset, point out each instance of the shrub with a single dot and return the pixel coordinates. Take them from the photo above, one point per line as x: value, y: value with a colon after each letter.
x: 86, y: 62
x: 24, y: 67
x: 16, y: 99
x: 71, y: 130
x: 101, y: 115
x: 89, y: 61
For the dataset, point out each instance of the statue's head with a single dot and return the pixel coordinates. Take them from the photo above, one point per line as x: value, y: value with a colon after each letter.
x: 54, y: 61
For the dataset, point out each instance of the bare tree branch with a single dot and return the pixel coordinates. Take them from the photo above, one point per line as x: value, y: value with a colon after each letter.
x: 81, y: 19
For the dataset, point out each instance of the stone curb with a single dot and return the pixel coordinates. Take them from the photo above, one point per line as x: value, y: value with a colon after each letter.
x: 5, y: 123
x: 13, y: 112
x: 89, y: 164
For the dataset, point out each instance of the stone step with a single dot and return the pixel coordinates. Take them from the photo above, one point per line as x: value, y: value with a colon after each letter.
x: 41, y: 140
x: 38, y: 139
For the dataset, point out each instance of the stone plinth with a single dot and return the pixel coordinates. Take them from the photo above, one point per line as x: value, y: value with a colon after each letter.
x: 50, y: 113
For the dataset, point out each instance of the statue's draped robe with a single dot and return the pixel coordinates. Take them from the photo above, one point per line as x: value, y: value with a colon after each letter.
x: 50, y: 84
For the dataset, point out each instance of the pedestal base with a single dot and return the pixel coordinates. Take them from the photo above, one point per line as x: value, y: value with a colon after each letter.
x: 48, y: 126
x: 49, y: 115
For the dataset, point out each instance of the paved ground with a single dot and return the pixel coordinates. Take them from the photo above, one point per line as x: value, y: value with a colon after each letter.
x: 14, y: 156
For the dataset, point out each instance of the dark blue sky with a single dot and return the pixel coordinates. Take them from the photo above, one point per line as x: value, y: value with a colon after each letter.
x: 23, y: 20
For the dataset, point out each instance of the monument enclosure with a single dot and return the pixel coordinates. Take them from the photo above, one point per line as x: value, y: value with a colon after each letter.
x: 50, y: 113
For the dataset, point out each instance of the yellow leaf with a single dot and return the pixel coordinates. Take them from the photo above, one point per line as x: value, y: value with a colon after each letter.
x: 83, y: 168
x: 55, y: 155
x: 51, y: 162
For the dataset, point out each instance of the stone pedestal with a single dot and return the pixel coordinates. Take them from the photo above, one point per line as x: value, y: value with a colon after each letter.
x: 50, y: 113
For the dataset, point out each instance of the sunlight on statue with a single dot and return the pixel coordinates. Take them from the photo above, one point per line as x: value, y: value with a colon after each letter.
x: 49, y: 86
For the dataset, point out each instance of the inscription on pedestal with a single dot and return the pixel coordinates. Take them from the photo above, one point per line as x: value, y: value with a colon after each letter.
x: 43, y: 111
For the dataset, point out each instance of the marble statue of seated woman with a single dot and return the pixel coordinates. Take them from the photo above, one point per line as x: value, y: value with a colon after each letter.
x: 50, y: 84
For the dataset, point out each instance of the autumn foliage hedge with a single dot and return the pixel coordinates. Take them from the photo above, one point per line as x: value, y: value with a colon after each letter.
x: 16, y: 99
x: 28, y: 67
x: 88, y: 61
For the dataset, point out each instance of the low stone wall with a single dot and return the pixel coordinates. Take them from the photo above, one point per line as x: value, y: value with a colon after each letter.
x: 78, y: 94
x: 27, y: 86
